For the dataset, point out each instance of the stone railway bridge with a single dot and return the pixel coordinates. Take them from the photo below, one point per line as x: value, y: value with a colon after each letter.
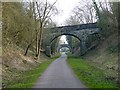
x: 81, y: 32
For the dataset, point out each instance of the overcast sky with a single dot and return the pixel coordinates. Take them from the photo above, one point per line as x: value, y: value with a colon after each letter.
x: 65, y: 9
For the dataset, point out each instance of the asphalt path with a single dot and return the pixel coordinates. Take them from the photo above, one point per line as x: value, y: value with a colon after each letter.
x: 59, y: 75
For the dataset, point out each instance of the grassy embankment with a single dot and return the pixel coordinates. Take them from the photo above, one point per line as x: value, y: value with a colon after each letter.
x: 90, y: 75
x: 98, y: 68
x: 28, y: 79
x: 21, y: 71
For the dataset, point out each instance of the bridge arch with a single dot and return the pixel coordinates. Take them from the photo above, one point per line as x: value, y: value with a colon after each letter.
x: 58, y: 35
x: 64, y: 34
x: 81, y: 32
x: 64, y: 46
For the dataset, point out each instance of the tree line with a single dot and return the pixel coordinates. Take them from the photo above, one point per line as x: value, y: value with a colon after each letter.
x: 105, y: 13
x: 24, y: 22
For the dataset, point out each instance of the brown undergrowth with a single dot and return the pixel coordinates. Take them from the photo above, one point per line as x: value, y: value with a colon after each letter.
x: 14, y: 63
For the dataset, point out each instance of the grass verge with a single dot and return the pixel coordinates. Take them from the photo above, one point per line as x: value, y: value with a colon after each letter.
x: 90, y: 75
x: 27, y: 79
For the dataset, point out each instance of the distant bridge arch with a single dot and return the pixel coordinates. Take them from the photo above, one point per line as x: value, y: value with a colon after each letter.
x: 63, y: 45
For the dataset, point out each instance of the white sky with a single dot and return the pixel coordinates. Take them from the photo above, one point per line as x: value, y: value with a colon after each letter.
x: 65, y: 9
x: 63, y: 39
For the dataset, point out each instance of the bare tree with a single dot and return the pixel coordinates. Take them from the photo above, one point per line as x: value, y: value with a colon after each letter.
x: 42, y: 12
x: 85, y: 13
x: 72, y: 21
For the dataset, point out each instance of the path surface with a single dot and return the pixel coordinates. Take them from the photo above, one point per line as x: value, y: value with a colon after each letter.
x: 59, y: 75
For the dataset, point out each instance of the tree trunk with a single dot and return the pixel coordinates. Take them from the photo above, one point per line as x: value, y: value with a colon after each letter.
x: 40, y: 41
x: 27, y: 49
x: 97, y: 9
x: 36, y: 43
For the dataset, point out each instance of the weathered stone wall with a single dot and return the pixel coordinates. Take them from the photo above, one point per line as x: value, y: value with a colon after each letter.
x: 79, y: 31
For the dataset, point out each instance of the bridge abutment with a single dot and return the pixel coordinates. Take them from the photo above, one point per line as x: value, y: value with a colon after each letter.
x: 48, y: 51
x: 83, y: 48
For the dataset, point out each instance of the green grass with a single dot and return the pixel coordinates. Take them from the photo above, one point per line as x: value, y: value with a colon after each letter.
x: 91, y: 76
x: 27, y: 79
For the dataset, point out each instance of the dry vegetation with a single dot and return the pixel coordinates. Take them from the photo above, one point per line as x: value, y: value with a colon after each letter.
x: 105, y: 56
x: 14, y: 62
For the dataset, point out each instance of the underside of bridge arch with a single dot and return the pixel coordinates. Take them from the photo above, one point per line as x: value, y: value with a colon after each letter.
x: 58, y: 35
x: 52, y: 38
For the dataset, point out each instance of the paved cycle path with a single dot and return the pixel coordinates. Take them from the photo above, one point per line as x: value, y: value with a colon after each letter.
x: 59, y: 75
